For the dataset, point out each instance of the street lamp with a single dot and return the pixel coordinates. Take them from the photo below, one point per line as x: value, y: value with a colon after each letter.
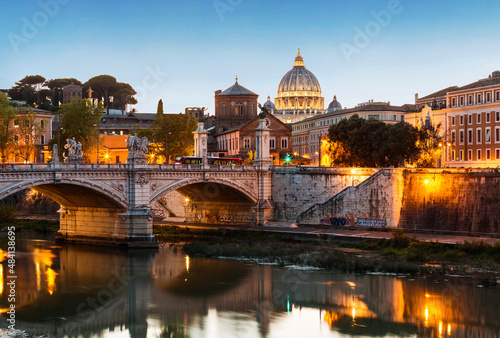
x: 58, y: 142
x: 166, y: 146
x: 97, y: 145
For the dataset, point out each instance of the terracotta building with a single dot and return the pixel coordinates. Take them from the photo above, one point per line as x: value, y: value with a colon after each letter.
x: 233, y: 107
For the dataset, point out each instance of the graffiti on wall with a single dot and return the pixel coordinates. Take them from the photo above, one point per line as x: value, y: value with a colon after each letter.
x: 367, y: 222
x: 229, y: 218
x: 334, y: 220
x: 291, y: 215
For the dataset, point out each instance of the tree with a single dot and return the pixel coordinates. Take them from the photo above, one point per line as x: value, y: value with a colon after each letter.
x: 429, y: 150
x: 80, y: 120
x: 372, y: 143
x: 26, y: 134
x: 174, y: 132
x: 159, y: 109
x: 7, y: 116
x: 105, y: 86
x: 34, y: 81
x: 56, y: 87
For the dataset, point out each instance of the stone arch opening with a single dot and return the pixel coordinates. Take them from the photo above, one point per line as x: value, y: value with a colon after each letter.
x: 208, y: 202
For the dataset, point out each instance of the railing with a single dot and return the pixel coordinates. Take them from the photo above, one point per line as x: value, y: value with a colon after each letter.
x: 10, y: 167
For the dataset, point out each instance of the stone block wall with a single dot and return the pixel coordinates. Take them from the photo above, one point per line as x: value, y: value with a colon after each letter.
x: 238, y: 213
x: 376, y: 201
x: 451, y: 200
x: 297, y: 189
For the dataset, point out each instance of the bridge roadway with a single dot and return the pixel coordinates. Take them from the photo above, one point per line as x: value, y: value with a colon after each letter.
x: 111, y: 203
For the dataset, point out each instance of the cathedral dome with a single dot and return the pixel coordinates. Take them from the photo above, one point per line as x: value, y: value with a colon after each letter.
x: 269, y: 104
x: 334, y: 105
x: 299, y: 79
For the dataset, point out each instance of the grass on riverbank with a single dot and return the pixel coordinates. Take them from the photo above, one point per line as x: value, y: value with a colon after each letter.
x: 400, y: 254
x: 38, y: 226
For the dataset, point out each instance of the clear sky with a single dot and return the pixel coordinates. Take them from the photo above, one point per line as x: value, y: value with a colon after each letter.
x: 182, y: 51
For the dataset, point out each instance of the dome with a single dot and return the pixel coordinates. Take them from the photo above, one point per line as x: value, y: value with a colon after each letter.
x: 269, y: 104
x: 299, y: 79
x: 334, y: 105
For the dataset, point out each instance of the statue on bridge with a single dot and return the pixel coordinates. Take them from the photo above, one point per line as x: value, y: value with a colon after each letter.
x: 73, y: 151
x: 137, y: 149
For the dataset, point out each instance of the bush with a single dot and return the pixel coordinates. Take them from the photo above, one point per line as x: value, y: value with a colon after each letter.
x: 7, y: 213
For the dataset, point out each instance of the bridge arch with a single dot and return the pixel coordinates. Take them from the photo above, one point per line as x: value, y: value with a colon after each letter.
x: 180, y: 185
x: 71, y: 193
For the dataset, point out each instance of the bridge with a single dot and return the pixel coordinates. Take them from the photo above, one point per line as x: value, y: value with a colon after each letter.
x: 113, y: 202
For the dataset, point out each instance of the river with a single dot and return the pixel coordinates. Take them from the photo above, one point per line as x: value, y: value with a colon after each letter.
x: 71, y: 290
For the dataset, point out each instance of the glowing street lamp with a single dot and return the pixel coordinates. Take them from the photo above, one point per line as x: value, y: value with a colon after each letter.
x: 288, y: 159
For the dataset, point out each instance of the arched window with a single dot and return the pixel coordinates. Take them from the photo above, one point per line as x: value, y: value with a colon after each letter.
x: 253, y: 109
x: 239, y: 109
x: 223, y: 109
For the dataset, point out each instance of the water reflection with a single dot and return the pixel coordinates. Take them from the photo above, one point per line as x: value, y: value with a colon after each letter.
x: 78, y: 290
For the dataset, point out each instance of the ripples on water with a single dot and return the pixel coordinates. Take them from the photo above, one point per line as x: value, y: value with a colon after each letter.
x: 90, y: 291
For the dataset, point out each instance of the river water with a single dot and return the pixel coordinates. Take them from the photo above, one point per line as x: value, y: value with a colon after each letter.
x: 68, y: 290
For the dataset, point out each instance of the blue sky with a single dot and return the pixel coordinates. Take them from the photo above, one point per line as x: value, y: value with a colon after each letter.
x: 182, y: 51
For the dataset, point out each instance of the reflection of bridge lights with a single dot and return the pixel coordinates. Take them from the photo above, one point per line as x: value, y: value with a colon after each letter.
x: 353, y: 312
x: 187, y: 263
x: 440, y: 327
x: 426, y: 314
x: 51, y: 280
x: 288, y: 304
x: 449, y: 329
x: 1, y: 279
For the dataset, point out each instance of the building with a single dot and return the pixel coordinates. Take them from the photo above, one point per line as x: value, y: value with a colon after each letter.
x: 233, y: 107
x: 201, y: 116
x: 71, y: 91
x: 33, y: 148
x: 473, y: 116
x: 113, y: 149
x: 299, y: 95
x: 125, y: 124
x: 307, y: 134
x: 237, y: 142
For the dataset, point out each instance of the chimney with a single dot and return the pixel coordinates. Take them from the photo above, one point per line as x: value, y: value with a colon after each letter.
x: 416, y: 98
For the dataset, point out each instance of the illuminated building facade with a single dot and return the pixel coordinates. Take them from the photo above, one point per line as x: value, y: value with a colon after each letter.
x: 471, y: 136
x: 299, y: 95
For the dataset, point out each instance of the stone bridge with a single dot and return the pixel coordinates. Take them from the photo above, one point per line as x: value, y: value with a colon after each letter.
x: 113, y: 202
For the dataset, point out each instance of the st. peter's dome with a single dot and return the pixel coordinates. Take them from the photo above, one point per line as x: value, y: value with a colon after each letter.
x: 334, y: 105
x: 299, y: 89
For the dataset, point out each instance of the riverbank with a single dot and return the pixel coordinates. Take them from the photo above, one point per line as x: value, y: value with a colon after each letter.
x: 400, y: 254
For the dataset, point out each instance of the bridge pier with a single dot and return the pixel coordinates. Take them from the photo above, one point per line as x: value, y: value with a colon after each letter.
x: 132, y: 228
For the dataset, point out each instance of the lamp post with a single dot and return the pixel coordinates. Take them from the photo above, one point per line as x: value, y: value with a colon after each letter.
x: 59, y: 141
x: 166, y: 146
x: 97, y: 145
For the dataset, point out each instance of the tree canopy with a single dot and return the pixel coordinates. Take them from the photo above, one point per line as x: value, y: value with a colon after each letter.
x: 105, y: 86
x: 7, y: 116
x: 357, y: 142
x: 80, y: 119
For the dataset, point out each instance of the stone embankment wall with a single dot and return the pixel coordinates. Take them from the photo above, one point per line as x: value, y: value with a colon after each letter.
x: 374, y: 202
x: 295, y: 190
x: 451, y: 200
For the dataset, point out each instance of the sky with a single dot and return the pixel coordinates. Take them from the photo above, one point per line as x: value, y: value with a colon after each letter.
x: 182, y: 51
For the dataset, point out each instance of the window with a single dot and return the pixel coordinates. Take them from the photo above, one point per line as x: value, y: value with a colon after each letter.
x: 453, y: 120
x: 246, y: 143
x: 453, y: 102
x: 42, y: 139
x: 498, y: 96
x: 469, y: 119
x: 479, y: 118
x: 469, y: 155
x: 469, y: 136
x: 461, y: 120
x: 253, y: 109
x: 453, y: 139
x: 488, y: 154
x: 224, y: 109
x: 239, y: 109
x: 461, y: 136
x: 497, y: 154
x: 394, y: 117
x: 461, y: 100
x: 42, y: 124
x: 488, y: 115
x: 479, y: 97
x: 487, y: 135
x: 470, y: 99
x: 284, y: 143
x: 453, y: 155
x: 461, y: 155
x: 375, y: 116
x: 497, y: 116
x: 478, y: 155
x: 488, y: 97
x: 478, y: 136
x: 497, y: 134
x: 272, y: 143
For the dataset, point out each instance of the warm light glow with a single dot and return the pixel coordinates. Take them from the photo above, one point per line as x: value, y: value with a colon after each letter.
x: 187, y: 199
x: 426, y: 181
x: 51, y: 280
x: 316, y: 153
x: 440, y: 328
x: 440, y: 144
x: 1, y: 279
x: 353, y: 171
x: 187, y: 263
x: 449, y: 329
x: 426, y: 314
x: 353, y: 312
